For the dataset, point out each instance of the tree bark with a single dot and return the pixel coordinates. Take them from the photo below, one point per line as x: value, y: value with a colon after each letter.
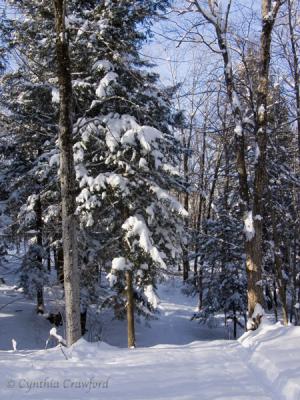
x: 254, y: 255
x: 281, y: 284
x: 185, y: 252
x: 130, y: 310
x: 67, y: 178
x: 39, y: 229
x: 60, y: 264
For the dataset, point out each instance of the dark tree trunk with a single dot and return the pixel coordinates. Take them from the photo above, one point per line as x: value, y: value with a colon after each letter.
x: 185, y: 250
x: 130, y: 310
x: 83, y: 316
x: 198, y: 272
x: 281, y: 283
x: 60, y: 264
x: 67, y: 178
x: 39, y: 229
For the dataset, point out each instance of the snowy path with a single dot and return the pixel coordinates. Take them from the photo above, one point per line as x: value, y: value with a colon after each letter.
x: 207, y: 370
x: 183, y: 363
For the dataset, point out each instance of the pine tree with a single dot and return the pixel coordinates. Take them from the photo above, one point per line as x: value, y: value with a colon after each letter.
x: 126, y: 158
x: 111, y: 85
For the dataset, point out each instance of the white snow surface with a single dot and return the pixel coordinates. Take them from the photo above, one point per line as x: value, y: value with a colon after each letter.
x: 175, y: 359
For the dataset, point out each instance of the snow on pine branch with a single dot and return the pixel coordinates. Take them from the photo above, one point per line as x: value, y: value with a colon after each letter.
x: 118, y: 264
x: 162, y: 195
x: 136, y: 227
x: 102, y: 89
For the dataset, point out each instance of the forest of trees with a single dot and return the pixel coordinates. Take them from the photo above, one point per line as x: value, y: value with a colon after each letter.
x: 116, y: 178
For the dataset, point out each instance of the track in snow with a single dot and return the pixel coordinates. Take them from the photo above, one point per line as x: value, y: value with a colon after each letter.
x: 183, y: 363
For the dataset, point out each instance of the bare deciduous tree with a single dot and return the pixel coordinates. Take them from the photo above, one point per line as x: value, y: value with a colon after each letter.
x: 251, y: 200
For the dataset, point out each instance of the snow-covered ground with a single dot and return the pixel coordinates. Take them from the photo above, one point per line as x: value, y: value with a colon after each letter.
x: 175, y: 359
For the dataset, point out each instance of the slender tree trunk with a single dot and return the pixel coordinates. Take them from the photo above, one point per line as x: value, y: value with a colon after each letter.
x: 39, y: 229
x: 185, y: 252
x: 130, y: 310
x: 49, y: 259
x: 185, y: 248
x: 234, y: 324
x: 67, y: 178
x: 129, y: 292
x: 60, y: 264
x: 275, y: 303
x: 295, y: 70
x: 214, y: 184
x: 279, y: 270
x: 83, y: 317
x: 201, y: 199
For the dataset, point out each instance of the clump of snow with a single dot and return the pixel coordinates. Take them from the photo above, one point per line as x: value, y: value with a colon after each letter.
x: 136, y: 227
x: 103, y: 65
x: 112, y: 279
x: 249, y: 226
x: 115, y: 126
x: 118, y: 264
x: 101, y: 90
x: 261, y: 111
x: 54, y: 160
x: 55, y: 95
x: 258, y: 311
x: 238, y: 130
x: 165, y: 196
x: 256, y: 317
x: 121, y: 264
x: 79, y: 83
x: 59, y: 338
x: 152, y: 297
x: 14, y: 344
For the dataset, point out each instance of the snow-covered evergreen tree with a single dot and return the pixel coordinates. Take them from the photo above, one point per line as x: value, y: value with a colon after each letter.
x: 113, y: 89
x: 126, y: 153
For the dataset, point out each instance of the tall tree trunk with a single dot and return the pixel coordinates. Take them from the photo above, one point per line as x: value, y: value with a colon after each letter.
x: 60, y: 263
x: 39, y: 229
x: 295, y: 70
x: 294, y: 66
x: 198, y: 272
x: 67, y: 178
x: 252, y: 245
x: 251, y: 211
x: 281, y: 284
x: 185, y: 252
x: 214, y: 183
x: 130, y: 310
x: 185, y: 247
x: 255, y: 241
